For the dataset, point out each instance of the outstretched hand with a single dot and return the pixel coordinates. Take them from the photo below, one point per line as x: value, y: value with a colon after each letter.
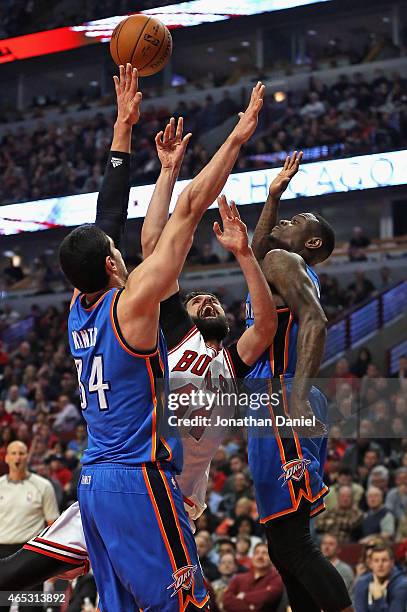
x: 128, y: 98
x: 248, y: 120
x: 171, y: 146
x: 283, y: 178
x: 234, y: 236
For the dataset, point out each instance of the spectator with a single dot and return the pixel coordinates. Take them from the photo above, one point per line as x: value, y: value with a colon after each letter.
x: 396, y: 498
x: 379, y: 477
x: 204, y: 545
x: 341, y: 374
x: 314, y: 107
x: 260, y: 589
x: 344, y: 521
x: 80, y: 443
x: 357, y: 244
x: 401, y: 374
x: 208, y: 257
x: 59, y: 471
x: 386, y: 279
x: 67, y: 415
x: 243, y: 544
x: 227, y: 568
x: 378, y: 520
x: 361, y: 289
x: 329, y: 548
x: 33, y: 504
x: 384, y: 587
x: 15, y: 404
x: 363, y: 359
x: 345, y: 478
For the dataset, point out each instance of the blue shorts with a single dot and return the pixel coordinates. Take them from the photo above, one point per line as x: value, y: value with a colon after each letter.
x: 284, y: 467
x: 139, y: 541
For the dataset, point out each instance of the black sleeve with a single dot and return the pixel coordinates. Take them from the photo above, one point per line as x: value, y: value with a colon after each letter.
x: 113, y: 198
x: 240, y: 367
x: 174, y: 320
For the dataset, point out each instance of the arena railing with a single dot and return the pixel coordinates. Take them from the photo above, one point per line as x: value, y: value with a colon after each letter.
x: 364, y: 321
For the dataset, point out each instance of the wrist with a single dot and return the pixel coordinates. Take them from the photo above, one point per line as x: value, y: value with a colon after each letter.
x: 122, y: 126
x: 244, y: 254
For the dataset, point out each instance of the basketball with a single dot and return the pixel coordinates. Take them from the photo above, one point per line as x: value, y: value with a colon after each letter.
x: 144, y: 42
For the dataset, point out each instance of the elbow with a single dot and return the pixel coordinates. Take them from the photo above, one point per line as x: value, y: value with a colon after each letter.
x: 316, y: 321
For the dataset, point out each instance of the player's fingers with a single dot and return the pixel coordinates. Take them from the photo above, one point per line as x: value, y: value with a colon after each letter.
x: 121, y: 73
x: 217, y: 230
x: 137, y: 99
x: 172, y: 128
x: 300, y: 156
x: 223, y: 207
x: 180, y: 128
x: 158, y: 138
x: 293, y: 159
x: 186, y: 139
x: 167, y: 132
x: 128, y: 76
x: 116, y: 84
x: 286, y: 163
x: 234, y: 210
x: 240, y: 115
x: 133, y: 82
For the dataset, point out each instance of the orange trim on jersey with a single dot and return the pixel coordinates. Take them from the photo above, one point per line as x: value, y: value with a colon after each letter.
x: 174, y: 511
x: 96, y: 303
x: 280, y: 444
x: 285, y: 309
x: 271, y: 358
x: 161, y: 525
x: 297, y: 441
x: 154, y: 413
x: 189, y: 599
x: 318, y: 509
x: 120, y: 341
x: 187, y: 336
x: 47, y: 553
x: 294, y: 508
x: 168, y: 448
x: 287, y: 341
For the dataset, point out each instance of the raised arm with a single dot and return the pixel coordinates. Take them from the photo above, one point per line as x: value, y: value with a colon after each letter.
x: 113, y: 198
x: 255, y: 340
x: 269, y: 213
x: 149, y: 283
x: 171, y: 147
x: 287, y: 273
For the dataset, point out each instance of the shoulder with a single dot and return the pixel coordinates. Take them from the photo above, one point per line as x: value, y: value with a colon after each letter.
x: 40, y: 482
x: 280, y: 255
x: 363, y: 582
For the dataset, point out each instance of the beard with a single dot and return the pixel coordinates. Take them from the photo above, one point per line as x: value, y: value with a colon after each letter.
x: 212, y: 328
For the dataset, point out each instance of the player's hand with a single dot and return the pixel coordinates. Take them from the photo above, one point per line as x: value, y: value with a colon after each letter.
x: 290, y: 169
x: 234, y: 236
x: 171, y: 146
x: 298, y: 407
x: 128, y: 98
x: 248, y: 120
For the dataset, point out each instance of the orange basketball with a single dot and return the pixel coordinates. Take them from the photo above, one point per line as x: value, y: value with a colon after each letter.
x: 143, y: 41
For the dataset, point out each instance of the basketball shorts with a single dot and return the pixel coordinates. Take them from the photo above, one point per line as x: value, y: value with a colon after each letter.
x: 286, y: 468
x: 140, y: 544
x: 64, y: 540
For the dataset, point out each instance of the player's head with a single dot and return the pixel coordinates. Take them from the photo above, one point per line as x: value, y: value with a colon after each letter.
x: 90, y: 260
x: 208, y: 315
x: 307, y: 234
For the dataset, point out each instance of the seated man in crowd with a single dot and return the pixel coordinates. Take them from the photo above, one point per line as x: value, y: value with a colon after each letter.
x: 329, y: 548
x: 378, y: 520
x: 384, y: 588
x: 344, y: 521
x: 259, y: 589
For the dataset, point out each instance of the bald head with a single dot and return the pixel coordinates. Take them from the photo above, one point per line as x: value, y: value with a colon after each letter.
x: 16, y: 459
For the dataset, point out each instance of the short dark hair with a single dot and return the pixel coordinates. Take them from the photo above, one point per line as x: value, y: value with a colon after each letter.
x: 193, y: 294
x: 82, y: 257
x: 383, y: 548
x: 327, y: 234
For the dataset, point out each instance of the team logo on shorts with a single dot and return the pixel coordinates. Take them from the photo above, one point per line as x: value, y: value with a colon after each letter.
x: 183, y: 578
x: 294, y: 470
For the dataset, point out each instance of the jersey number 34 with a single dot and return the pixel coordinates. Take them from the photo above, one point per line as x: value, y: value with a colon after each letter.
x: 96, y: 384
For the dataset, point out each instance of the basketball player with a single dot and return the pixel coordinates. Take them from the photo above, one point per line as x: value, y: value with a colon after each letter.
x: 131, y: 506
x: 63, y: 548
x: 287, y: 466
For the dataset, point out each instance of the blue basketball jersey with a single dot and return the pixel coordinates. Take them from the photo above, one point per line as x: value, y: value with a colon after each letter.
x: 281, y: 357
x: 123, y: 408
